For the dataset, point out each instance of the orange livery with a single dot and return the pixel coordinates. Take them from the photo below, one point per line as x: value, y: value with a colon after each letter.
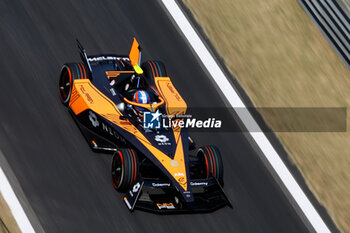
x: 110, y: 97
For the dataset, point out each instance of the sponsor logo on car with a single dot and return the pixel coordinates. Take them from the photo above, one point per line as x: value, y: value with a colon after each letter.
x: 105, y: 128
x: 93, y: 119
x: 199, y: 183
x: 174, y: 163
x: 182, y: 181
x: 88, y: 97
x: 168, y: 206
x: 179, y: 174
x: 107, y: 58
x: 161, y: 184
x: 171, y: 88
x: 162, y: 140
x: 135, y: 189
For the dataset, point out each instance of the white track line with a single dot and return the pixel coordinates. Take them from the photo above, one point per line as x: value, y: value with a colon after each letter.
x: 14, y: 205
x: 247, y: 119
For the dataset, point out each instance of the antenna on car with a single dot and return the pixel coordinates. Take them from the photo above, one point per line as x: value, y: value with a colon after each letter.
x: 83, y: 56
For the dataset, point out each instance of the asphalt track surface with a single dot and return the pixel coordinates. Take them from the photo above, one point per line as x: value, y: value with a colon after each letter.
x: 67, y: 185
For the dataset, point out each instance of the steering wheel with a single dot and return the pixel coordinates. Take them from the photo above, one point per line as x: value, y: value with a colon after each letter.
x: 150, y: 107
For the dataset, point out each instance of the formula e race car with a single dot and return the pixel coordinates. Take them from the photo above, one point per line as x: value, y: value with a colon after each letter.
x: 158, y: 168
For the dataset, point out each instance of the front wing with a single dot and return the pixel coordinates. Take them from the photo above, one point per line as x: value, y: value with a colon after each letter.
x: 162, y: 198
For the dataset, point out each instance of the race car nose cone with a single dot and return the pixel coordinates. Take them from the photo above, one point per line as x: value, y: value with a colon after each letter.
x: 188, y: 196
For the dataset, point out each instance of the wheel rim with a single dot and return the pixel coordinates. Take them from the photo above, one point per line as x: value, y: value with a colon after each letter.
x: 117, y: 170
x: 65, y: 85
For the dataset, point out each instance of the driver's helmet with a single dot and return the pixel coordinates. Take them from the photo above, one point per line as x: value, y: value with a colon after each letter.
x: 141, y: 97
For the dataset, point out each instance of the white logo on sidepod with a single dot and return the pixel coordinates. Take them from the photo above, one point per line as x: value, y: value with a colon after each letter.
x: 93, y: 119
x: 161, y: 138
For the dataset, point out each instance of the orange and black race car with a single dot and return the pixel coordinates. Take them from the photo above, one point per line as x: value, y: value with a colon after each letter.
x: 159, y: 168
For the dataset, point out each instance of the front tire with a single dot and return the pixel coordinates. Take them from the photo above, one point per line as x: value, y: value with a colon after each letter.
x: 211, y: 162
x: 125, y: 169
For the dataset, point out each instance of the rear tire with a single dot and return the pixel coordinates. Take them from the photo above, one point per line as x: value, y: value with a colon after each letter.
x: 211, y: 162
x: 154, y: 69
x: 69, y: 73
x: 125, y: 169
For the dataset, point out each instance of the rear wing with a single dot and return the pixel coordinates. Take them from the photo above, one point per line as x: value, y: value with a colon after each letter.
x: 106, y: 58
x: 134, y: 58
